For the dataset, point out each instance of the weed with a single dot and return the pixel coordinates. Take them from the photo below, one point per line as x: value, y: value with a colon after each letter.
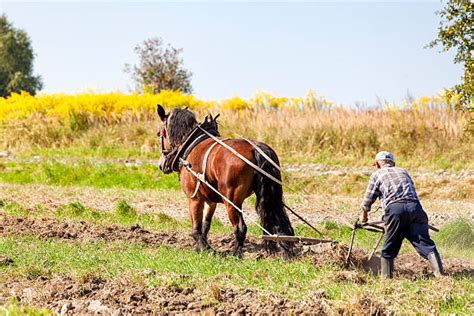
x: 125, y: 212
x: 75, y: 209
x: 16, y: 209
x: 457, y: 234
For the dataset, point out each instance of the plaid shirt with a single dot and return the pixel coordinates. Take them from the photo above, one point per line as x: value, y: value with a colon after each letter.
x: 390, y: 184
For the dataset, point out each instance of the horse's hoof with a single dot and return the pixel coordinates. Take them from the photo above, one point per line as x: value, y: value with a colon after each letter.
x: 203, y: 247
x: 288, y: 255
x: 239, y: 253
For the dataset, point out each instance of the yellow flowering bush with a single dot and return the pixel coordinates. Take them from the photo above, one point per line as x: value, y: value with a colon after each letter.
x: 113, y: 106
x: 234, y: 103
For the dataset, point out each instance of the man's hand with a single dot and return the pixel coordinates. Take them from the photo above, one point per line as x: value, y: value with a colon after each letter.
x: 363, y: 218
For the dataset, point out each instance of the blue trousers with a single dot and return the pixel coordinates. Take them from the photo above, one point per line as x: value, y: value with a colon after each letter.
x: 406, y: 220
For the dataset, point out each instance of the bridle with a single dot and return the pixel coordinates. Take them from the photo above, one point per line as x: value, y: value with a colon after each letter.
x: 163, y: 135
x: 195, y: 136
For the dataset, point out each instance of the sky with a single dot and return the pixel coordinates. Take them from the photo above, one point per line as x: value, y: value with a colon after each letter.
x: 347, y: 51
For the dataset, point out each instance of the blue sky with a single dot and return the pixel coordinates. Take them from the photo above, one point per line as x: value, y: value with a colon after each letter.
x: 346, y: 51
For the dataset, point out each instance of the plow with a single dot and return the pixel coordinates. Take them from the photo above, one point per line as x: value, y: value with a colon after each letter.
x: 375, y: 227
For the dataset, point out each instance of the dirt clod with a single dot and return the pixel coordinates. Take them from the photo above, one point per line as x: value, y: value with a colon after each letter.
x: 4, y: 261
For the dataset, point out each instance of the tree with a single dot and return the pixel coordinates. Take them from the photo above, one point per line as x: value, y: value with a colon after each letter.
x: 160, y: 68
x: 455, y: 31
x: 16, y: 61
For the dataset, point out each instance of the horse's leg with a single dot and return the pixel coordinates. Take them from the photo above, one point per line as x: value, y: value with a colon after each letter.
x: 240, y: 229
x: 195, y: 212
x: 209, y: 209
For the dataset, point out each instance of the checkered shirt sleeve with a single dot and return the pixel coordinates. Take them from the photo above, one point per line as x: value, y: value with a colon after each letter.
x: 371, y: 194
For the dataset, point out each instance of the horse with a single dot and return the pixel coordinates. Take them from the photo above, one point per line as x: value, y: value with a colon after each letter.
x: 182, y: 139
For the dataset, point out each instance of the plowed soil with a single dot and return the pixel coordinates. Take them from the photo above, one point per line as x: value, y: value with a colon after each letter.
x: 409, y: 264
x: 66, y: 296
x: 121, y: 296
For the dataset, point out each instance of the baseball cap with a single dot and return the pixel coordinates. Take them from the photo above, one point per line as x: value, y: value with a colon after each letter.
x: 384, y: 155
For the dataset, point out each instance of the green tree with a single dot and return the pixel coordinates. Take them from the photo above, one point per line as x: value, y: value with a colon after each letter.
x: 160, y: 68
x: 16, y: 61
x: 455, y: 31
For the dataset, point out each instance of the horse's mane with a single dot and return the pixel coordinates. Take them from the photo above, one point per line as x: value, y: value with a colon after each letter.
x: 180, y: 123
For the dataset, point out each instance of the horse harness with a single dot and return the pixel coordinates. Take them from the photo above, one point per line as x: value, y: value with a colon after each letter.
x: 202, y: 176
x: 195, y: 137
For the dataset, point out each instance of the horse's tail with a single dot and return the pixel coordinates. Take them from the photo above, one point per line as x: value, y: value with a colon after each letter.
x: 269, y: 205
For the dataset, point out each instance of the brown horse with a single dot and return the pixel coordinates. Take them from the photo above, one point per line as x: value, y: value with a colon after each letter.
x: 181, y: 137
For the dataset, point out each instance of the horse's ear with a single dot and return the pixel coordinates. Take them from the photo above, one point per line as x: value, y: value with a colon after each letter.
x: 161, y: 112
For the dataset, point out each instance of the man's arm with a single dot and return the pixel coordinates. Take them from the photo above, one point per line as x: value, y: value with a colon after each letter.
x: 371, y: 194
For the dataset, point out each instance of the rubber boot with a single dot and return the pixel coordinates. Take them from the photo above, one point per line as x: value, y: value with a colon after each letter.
x: 386, y: 266
x: 435, y: 263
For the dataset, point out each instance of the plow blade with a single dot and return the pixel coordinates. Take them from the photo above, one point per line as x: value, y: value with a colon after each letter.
x: 296, y: 239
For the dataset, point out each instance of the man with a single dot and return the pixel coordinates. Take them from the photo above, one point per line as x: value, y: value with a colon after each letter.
x: 403, y: 217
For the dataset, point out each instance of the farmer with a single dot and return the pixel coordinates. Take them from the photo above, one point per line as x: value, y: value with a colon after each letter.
x: 403, y: 217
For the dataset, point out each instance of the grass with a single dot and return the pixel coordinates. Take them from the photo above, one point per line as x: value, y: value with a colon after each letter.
x: 109, y: 260
x: 421, y: 136
x: 123, y: 214
x: 184, y: 268
x: 174, y: 267
x: 110, y: 174
x: 455, y: 239
x: 15, y: 308
x: 87, y: 173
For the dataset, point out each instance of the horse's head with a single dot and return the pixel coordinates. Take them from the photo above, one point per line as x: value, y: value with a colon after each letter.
x: 175, y: 127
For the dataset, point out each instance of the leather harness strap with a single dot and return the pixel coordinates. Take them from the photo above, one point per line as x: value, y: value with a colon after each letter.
x: 202, y: 176
x: 194, y: 137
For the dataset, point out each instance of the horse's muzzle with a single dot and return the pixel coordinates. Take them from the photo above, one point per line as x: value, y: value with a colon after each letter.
x: 165, y: 165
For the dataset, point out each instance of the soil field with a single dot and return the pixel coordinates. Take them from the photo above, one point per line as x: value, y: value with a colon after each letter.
x: 112, y: 249
x: 66, y: 295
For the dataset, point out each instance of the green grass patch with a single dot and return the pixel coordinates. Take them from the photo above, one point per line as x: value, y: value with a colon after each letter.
x: 103, y: 151
x: 33, y: 257
x: 457, y: 234
x: 125, y: 212
x: 15, y: 308
x: 454, y: 239
x: 86, y: 173
x: 111, y: 174
x: 14, y: 209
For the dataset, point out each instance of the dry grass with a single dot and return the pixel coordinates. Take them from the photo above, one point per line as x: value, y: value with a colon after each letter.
x: 432, y: 138
x: 412, y: 134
